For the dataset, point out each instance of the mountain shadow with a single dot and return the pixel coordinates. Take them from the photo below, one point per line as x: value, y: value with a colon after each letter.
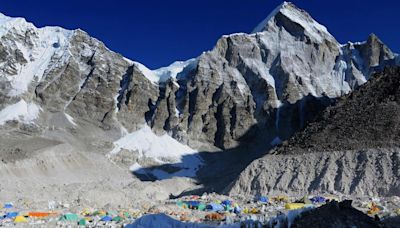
x: 220, y: 168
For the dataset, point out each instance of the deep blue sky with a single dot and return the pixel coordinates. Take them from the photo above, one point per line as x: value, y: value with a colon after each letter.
x: 158, y: 32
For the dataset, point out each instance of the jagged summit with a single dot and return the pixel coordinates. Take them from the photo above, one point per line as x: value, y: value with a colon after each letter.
x: 294, y: 20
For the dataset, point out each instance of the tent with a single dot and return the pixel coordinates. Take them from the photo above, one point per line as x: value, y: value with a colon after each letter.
x: 318, y: 199
x: 237, y: 209
x: 11, y: 215
x: 69, y: 217
x: 85, y: 212
x: 294, y: 206
x: 202, y: 207
x: 117, y: 219
x: 82, y: 222
x: 8, y: 205
x: 106, y: 218
x: 100, y: 213
x: 20, y: 219
x: 227, y: 202
x: 39, y: 214
x: 193, y: 204
x: 215, y: 207
x: 262, y: 199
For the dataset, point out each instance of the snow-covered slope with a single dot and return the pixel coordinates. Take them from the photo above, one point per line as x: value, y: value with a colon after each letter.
x: 162, y: 75
x: 161, y: 149
x: 21, y: 111
x: 173, y: 70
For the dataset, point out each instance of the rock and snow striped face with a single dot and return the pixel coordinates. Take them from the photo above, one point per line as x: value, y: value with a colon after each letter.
x: 263, y: 78
x: 28, y: 52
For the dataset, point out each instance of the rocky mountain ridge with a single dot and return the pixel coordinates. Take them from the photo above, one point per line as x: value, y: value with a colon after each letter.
x: 67, y: 88
x: 211, y: 101
x: 351, y: 148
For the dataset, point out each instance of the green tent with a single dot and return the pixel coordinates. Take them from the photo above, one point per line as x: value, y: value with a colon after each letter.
x: 69, y: 217
x: 82, y: 222
x: 117, y: 219
x: 202, y: 207
x: 126, y: 214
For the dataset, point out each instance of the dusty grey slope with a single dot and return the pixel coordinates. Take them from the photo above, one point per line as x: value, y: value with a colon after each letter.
x: 352, y: 148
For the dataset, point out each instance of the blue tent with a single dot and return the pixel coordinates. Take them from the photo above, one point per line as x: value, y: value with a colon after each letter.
x: 262, y: 199
x: 227, y: 202
x: 215, y: 207
x: 106, y: 218
x: 8, y: 205
x: 318, y: 199
x: 11, y: 215
x: 237, y: 210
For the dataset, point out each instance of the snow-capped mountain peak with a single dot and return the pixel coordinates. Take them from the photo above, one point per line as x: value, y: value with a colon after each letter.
x: 7, y: 23
x: 30, y: 51
x: 294, y: 20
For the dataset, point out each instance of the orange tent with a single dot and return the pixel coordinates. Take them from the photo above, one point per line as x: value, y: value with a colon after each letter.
x: 40, y: 214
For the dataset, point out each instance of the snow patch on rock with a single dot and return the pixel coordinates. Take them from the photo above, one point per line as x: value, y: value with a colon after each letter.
x: 149, y: 74
x: 162, y: 74
x: 173, y: 70
x: 70, y: 119
x: 21, y: 111
x: 163, y: 149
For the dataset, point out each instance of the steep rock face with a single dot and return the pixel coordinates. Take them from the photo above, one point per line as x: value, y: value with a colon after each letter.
x: 351, y: 148
x: 275, y: 79
x: 72, y: 73
x: 266, y: 84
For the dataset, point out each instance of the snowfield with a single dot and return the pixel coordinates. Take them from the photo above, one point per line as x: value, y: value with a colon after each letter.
x: 162, y: 149
x: 21, y: 111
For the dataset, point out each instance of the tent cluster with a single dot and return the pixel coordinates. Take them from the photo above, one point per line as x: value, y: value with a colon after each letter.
x: 17, y: 217
x: 99, y: 217
x: 216, y: 206
x: 86, y: 217
x: 210, y: 208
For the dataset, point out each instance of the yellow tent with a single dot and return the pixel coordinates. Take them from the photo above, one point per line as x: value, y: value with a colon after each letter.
x: 294, y: 206
x: 20, y: 219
